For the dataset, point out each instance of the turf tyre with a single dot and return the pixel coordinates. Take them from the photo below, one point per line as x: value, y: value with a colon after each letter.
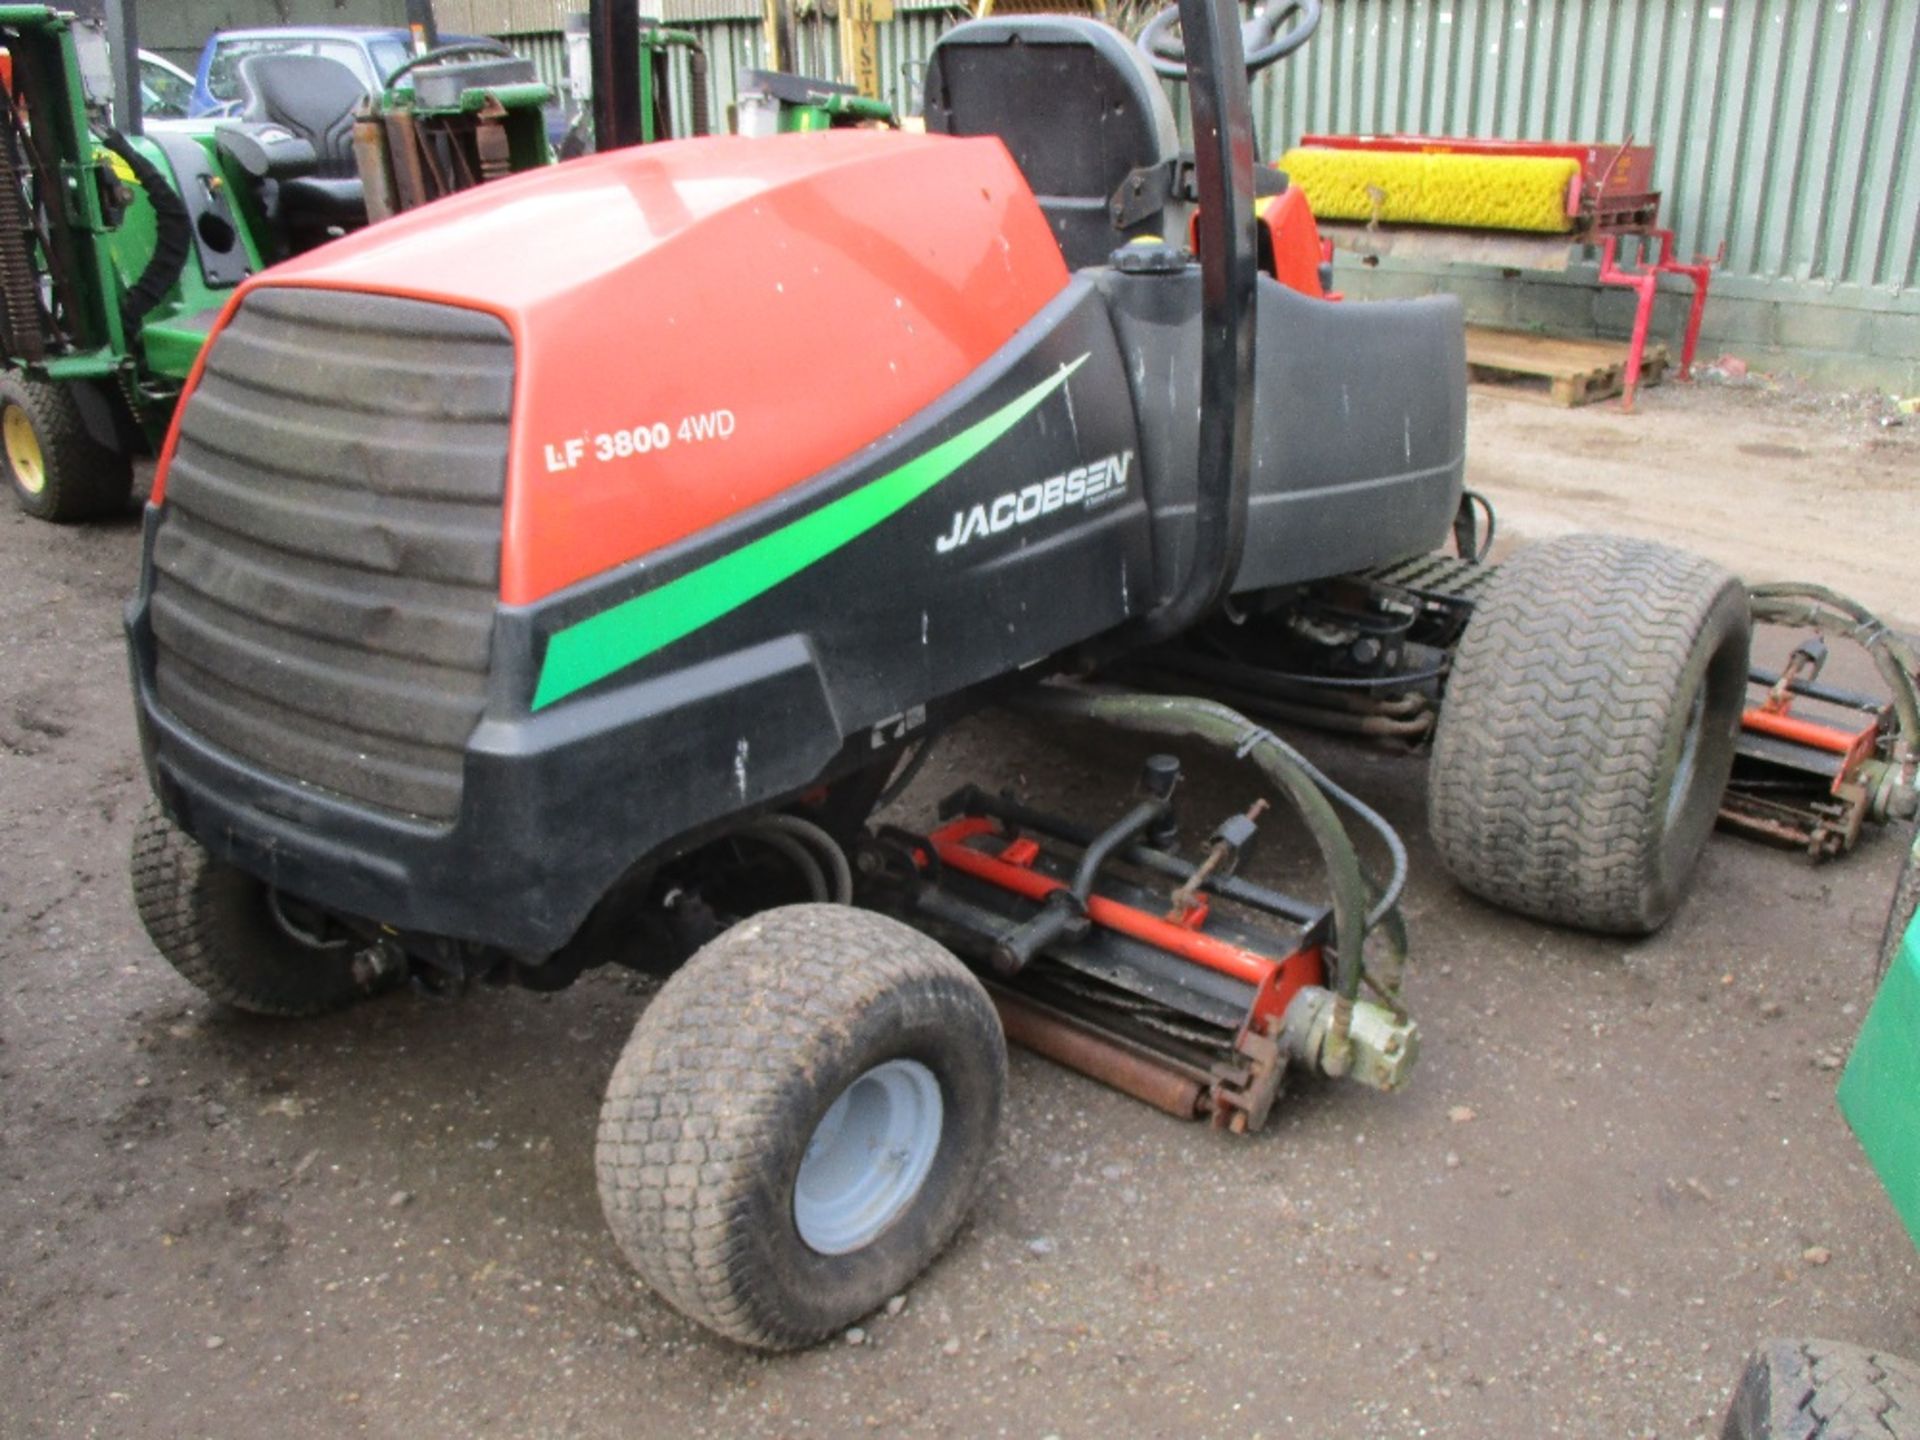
x: 1823, y: 1390
x: 213, y: 924
x: 77, y: 477
x: 727, y: 1076
x: 1588, y: 731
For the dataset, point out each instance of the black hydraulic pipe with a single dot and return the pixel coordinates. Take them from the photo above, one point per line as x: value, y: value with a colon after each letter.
x: 1165, y: 715
x: 1223, y: 167
x: 1066, y: 910
x: 1123, y: 832
x: 123, y: 40
x: 974, y: 801
x: 1058, y: 916
x: 613, y: 31
x: 172, y: 233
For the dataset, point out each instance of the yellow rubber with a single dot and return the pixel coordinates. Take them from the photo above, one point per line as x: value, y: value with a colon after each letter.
x: 1483, y: 192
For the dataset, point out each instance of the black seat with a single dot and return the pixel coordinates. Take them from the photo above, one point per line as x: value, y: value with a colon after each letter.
x: 1083, y: 115
x: 316, y: 99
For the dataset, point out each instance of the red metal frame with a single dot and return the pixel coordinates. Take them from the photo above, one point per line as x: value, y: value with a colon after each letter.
x: 1822, y: 832
x: 1774, y: 716
x: 1275, y: 981
x: 1616, y: 197
x: 1646, y: 284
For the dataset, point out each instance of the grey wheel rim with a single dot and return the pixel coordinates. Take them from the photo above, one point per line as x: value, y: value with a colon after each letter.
x: 868, y: 1157
x: 1689, y: 762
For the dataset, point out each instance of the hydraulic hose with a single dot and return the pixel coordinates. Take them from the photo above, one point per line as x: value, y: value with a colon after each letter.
x: 172, y: 238
x: 1306, y: 788
x: 795, y: 854
x: 823, y: 846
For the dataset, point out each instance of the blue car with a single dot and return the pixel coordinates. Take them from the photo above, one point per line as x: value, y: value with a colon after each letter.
x: 371, y: 52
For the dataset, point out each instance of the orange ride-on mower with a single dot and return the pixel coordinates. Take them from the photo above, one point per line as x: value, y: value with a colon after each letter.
x: 559, y: 575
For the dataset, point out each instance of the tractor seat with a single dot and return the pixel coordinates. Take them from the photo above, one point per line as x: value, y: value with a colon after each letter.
x: 1083, y: 115
x: 316, y: 98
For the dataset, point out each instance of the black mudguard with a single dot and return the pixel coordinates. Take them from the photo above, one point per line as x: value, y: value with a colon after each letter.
x: 1360, y: 421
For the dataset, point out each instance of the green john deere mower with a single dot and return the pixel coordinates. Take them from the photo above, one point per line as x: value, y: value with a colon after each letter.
x: 116, y: 251
x: 118, y: 248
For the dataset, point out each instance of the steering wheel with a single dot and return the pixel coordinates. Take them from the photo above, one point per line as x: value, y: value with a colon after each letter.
x: 1261, y: 37
x: 447, y: 52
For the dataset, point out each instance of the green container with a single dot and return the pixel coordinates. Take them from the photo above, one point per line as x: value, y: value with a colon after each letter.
x: 1880, y: 1091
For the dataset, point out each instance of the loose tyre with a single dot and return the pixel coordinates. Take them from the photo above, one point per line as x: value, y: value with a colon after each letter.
x: 1821, y: 1390
x: 800, y: 1122
x: 58, y: 471
x: 1588, y: 731
x: 228, y: 934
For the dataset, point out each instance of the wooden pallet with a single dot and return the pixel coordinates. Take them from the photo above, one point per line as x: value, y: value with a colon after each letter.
x: 1561, y: 372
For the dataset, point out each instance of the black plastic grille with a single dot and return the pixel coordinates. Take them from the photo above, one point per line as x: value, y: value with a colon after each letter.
x: 328, y: 563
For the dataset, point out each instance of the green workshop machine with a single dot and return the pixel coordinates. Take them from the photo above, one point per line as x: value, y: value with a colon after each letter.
x: 116, y: 252
x: 119, y: 247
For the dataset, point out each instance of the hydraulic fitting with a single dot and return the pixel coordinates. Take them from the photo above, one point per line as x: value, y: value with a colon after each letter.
x: 1377, y: 1048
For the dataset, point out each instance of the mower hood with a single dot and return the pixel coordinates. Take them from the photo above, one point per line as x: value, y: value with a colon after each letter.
x: 701, y: 325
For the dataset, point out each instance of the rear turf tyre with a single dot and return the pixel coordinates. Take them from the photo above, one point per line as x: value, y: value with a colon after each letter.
x: 215, y: 925
x: 1822, y: 1390
x: 1588, y: 731
x: 800, y: 1122
x: 58, y: 471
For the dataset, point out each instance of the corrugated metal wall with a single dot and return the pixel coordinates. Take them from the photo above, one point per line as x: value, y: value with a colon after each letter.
x: 1785, y: 129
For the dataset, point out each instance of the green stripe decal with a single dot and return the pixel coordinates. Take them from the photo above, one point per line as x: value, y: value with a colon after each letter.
x: 596, y: 647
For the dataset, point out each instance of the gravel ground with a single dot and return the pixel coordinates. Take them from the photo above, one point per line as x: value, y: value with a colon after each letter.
x: 1618, y: 1167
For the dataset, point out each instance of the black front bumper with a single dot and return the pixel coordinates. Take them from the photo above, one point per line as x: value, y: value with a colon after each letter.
x: 556, y: 807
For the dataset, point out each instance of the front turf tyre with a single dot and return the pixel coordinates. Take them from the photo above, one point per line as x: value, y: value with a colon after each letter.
x: 1588, y: 731
x: 217, y: 926
x: 1822, y: 1390
x: 800, y: 1122
x: 58, y: 471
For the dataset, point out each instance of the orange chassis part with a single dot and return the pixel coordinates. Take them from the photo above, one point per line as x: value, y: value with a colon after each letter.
x: 1821, y: 831
x: 1852, y: 746
x: 1275, y: 981
x: 1290, y: 248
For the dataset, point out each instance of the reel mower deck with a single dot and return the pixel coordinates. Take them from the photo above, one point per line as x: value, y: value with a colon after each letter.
x: 1813, y: 763
x: 1170, y: 979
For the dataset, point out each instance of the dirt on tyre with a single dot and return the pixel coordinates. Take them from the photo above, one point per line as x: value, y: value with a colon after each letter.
x: 1823, y: 1390
x: 1588, y: 731
x: 229, y: 935
x: 57, y: 470
x: 800, y: 1122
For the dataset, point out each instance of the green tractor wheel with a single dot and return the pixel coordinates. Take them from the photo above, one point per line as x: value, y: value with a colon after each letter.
x: 58, y: 471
